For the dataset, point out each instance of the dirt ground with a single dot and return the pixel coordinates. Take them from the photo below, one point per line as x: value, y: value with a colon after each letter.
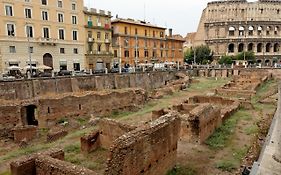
x: 192, y: 158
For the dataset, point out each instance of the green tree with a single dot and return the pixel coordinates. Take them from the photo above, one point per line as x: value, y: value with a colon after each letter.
x: 226, y: 60
x: 189, y: 56
x: 250, y: 56
x: 203, y: 55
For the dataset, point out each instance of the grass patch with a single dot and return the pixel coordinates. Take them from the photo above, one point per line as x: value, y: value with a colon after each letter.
x: 179, y: 170
x: 223, y: 134
x: 208, y: 83
x: 226, y: 165
x: 75, y: 148
x: 263, y: 89
x: 240, y: 153
x: 6, y: 173
x: 251, y: 130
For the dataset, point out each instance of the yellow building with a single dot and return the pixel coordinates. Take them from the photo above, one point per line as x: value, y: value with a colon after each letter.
x: 98, y: 45
x: 137, y: 42
x: 55, y: 29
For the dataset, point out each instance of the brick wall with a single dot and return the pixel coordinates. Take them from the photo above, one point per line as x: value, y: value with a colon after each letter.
x: 149, y: 150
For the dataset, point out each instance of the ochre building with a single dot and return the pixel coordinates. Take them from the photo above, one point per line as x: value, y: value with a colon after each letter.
x: 51, y: 30
x: 137, y: 42
x: 233, y: 26
x: 98, y: 44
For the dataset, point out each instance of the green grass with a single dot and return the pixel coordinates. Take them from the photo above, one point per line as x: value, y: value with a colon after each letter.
x: 226, y: 165
x: 224, y: 133
x: 254, y: 129
x: 263, y: 89
x: 6, y: 173
x: 208, y: 83
x: 179, y: 170
x: 74, y: 148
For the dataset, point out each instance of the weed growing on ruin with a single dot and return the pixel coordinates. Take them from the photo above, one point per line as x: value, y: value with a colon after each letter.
x: 254, y: 129
x: 226, y: 165
x: 180, y: 170
x: 223, y: 134
x: 5, y: 173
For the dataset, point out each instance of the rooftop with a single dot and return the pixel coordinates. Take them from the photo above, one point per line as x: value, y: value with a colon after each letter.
x: 136, y: 22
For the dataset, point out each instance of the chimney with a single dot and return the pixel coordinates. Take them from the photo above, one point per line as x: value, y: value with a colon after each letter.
x: 170, y: 32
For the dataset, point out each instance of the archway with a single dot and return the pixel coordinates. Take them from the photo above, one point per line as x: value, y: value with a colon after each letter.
x: 259, y: 47
x: 48, y: 60
x: 231, y: 48
x: 28, y: 115
x: 268, y: 47
x: 267, y: 62
x: 250, y: 47
x: 276, y: 47
x: 241, y: 47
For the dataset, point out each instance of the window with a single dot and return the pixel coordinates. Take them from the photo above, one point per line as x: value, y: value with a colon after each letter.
x: 27, y: 0
x: 126, y: 31
x: 73, y: 6
x: 62, y: 51
x: 76, y: 67
x: 127, y: 53
x: 12, y: 49
x: 75, y: 50
x: 45, y: 16
x: 145, y: 32
x: 146, y: 54
x: 46, y: 32
x: 11, y: 29
x: 115, y: 53
x: 74, y: 35
x: 44, y: 2
x: 61, y: 34
x: 60, y: 4
x: 161, y: 34
x: 60, y: 17
x: 137, y: 53
x: 99, y: 47
x: 9, y: 10
x: 27, y: 13
x: 107, y: 47
x: 74, y: 19
x: 231, y: 31
x: 106, y: 35
x: 29, y: 31
x: 136, y: 31
x: 31, y: 50
x: 98, y: 35
x: 153, y: 33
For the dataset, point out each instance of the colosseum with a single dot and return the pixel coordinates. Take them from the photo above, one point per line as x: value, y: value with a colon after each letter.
x: 232, y: 26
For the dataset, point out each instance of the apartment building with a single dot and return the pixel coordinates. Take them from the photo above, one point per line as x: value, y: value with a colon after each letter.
x: 52, y: 31
x: 136, y: 42
x: 98, y: 43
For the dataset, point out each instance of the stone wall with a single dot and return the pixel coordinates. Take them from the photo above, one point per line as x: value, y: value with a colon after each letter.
x: 27, y: 89
x: 26, y: 133
x: 107, y: 132
x: 148, y: 150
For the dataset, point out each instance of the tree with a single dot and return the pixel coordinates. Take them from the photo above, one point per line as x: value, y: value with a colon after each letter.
x: 203, y: 55
x: 226, y: 60
x: 249, y: 56
x: 189, y: 56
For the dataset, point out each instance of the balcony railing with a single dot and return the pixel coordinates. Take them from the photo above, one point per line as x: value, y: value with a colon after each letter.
x: 99, y: 53
x: 47, y: 41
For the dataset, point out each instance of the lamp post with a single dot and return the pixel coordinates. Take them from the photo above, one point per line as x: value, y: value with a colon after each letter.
x: 29, y: 53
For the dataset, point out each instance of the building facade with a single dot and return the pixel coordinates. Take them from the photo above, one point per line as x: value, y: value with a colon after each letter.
x: 137, y: 42
x: 233, y: 26
x: 98, y: 45
x: 51, y: 30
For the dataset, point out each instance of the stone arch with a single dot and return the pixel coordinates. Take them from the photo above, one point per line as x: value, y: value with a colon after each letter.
x: 231, y: 31
x: 251, y: 30
x: 259, y: 61
x: 276, y: 47
x: 267, y: 62
x: 268, y: 30
x: 268, y: 47
x: 241, y: 47
x: 260, y: 29
x: 241, y: 31
x: 231, y: 48
x: 250, y: 47
x: 276, y: 30
x: 259, y: 47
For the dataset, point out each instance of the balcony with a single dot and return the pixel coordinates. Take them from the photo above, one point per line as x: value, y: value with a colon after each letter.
x: 101, y: 53
x: 47, y: 41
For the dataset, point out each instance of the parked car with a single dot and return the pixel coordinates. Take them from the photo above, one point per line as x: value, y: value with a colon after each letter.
x: 114, y: 70
x: 64, y: 72
x: 99, y: 71
x: 45, y: 74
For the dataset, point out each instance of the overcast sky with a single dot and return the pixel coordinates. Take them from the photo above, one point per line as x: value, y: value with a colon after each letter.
x: 181, y: 15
